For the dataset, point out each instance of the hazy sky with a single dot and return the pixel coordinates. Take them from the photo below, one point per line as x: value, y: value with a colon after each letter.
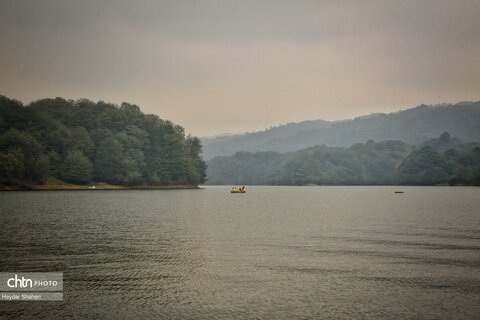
x: 230, y: 66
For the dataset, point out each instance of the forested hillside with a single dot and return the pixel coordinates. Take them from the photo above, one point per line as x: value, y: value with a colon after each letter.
x: 443, y: 160
x: 82, y: 142
x: 411, y: 126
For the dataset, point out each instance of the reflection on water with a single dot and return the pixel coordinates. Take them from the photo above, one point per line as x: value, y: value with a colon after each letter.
x: 273, y: 253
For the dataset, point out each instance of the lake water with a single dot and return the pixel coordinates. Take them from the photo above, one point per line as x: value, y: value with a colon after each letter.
x: 272, y: 253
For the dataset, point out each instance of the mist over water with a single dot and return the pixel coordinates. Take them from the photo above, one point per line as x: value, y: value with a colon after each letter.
x: 272, y: 253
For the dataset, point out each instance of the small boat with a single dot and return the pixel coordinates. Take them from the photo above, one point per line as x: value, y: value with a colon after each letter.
x: 238, y: 190
x: 398, y: 191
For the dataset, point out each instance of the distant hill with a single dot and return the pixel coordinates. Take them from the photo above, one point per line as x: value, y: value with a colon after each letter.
x: 412, y: 126
x: 443, y: 160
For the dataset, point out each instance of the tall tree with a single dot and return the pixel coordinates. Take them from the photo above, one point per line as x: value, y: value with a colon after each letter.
x: 422, y: 167
x: 76, y: 168
x: 109, y: 165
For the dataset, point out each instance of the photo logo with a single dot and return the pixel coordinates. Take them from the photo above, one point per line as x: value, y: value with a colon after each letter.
x: 30, y: 286
x: 19, y: 283
x: 16, y: 282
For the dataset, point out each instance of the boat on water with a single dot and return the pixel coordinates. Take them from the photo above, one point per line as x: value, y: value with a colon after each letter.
x: 238, y: 190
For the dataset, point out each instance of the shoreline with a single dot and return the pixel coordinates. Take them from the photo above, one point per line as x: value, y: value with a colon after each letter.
x: 100, y: 186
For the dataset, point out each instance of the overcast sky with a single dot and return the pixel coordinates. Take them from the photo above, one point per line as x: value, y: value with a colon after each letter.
x: 232, y: 66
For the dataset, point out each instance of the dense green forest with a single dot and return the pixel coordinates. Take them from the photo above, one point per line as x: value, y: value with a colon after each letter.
x: 443, y: 160
x: 421, y: 123
x: 82, y: 142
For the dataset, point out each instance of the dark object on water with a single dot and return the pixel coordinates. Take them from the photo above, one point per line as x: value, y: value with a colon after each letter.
x: 238, y: 190
x: 398, y: 191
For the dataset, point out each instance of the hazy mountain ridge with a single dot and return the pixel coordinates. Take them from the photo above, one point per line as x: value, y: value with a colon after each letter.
x: 437, y: 161
x: 411, y: 126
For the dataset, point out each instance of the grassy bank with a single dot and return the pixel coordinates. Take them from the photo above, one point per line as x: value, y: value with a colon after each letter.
x: 54, y: 184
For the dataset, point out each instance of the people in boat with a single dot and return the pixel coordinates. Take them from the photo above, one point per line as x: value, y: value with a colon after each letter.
x: 241, y: 189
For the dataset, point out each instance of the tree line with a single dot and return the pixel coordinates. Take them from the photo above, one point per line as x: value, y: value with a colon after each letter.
x: 443, y: 160
x: 83, y: 142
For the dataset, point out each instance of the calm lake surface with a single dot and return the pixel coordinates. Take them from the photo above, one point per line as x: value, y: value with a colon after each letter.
x: 272, y: 253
